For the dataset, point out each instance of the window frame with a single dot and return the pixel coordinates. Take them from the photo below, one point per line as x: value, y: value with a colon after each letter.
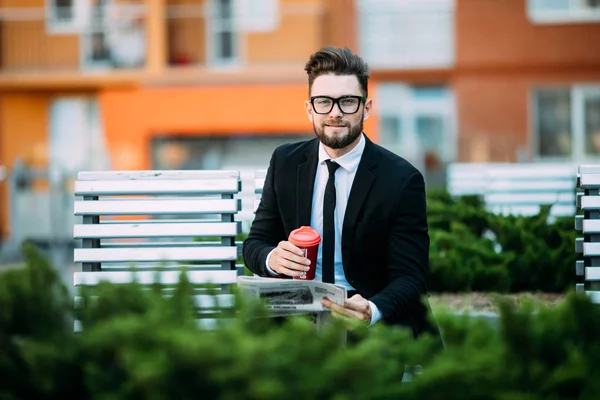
x: 406, y: 108
x: 578, y: 14
x: 85, y: 38
x: 578, y: 92
x: 81, y: 11
x: 214, y: 27
x: 389, y: 49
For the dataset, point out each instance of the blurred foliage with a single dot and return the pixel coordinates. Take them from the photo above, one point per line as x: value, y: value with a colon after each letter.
x: 140, y: 344
x: 475, y: 250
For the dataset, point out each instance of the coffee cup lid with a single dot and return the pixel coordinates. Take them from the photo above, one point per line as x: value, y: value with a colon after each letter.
x: 305, y: 236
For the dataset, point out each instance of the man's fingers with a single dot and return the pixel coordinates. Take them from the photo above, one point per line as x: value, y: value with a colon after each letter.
x: 285, y: 245
x: 291, y: 265
x: 343, y: 310
x: 289, y: 252
x: 357, y: 303
x: 289, y: 272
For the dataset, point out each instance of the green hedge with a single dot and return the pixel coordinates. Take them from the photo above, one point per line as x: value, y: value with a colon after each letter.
x: 138, y: 345
x: 475, y: 250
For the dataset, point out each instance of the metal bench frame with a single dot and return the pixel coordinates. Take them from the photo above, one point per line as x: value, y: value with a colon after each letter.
x: 170, y: 210
x: 587, y: 269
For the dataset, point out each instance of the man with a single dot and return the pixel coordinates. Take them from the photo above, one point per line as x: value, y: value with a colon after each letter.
x: 367, y: 204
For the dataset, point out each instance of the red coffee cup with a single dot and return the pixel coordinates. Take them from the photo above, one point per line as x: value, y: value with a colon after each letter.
x: 307, y: 240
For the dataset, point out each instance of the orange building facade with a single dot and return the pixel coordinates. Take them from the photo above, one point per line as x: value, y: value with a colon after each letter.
x: 516, y: 80
x: 138, y: 84
x: 92, y: 84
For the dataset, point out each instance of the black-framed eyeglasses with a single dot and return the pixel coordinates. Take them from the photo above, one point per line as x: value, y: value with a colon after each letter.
x: 347, y: 104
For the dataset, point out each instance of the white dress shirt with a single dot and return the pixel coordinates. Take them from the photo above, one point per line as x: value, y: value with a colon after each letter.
x: 344, y: 177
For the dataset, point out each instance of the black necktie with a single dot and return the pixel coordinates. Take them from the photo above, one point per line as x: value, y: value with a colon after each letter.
x: 329, y: 225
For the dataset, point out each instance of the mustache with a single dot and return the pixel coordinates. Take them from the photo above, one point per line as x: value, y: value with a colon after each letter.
x: 337, y: 122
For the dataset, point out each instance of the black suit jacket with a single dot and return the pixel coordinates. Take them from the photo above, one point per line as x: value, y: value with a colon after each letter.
x: 385, y: 240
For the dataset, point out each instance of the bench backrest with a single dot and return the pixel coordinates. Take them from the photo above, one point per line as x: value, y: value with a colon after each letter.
x: 158, y: 219
x: 259, y: 182
x: 587, y: 268
x: 518, y: 189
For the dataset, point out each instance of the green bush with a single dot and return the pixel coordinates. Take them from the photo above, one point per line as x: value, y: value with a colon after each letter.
x: 475, y: 250
x: 137, y: 344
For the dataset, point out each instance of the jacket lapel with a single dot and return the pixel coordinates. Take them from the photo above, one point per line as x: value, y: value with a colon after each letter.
x: 360, y: 188
x: 305, y: 179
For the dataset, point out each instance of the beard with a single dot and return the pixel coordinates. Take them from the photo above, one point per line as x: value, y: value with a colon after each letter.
x: 338, y: 141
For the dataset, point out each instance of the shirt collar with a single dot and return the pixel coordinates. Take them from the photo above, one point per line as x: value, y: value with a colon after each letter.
x: 348, y: 161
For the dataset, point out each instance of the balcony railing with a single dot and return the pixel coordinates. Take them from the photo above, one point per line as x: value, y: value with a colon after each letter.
x: 225, y: 33
x: 213, y: 34
x: 39, y: 39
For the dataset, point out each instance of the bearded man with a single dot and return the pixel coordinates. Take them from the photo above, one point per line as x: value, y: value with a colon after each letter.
x: 367, y: 203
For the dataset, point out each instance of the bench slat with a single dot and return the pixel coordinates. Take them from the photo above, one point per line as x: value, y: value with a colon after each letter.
x: 590, y: 225
x: 531, y: 198
x: 200, y: 300
x: 156, y: 175
x: 155, y: 207
x: 149, y: 277
x: 556, y: 210
x: 156, y: 187
x: 590, y: 249
x: 530, y: 186
x: 134, y: 254
x: 534, y: 172
x: 589, y: 181
x: 590, y: 202
x: 141, y: 230
x: 592, y: 273
x: 593, y: 295
x: 589, y: 169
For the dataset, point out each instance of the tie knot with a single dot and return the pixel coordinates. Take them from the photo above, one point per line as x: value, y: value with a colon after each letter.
x: 332, y: 166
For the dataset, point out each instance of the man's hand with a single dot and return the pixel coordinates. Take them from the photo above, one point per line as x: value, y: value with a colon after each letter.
x: 356, y: 307
x: 289, y: 260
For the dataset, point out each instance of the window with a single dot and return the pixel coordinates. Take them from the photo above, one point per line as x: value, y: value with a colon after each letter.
x: 563, y: 11
x: 66, y: 16
x: 406, y: 33
x: 222, y: 33
x: 95, y: 48
x: 257, y: 15
x: 417, y: 123
x: 566, y: 123
x: 114, y: 36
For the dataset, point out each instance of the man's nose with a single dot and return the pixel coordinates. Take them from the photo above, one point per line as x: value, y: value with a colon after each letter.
x: 336, y: 111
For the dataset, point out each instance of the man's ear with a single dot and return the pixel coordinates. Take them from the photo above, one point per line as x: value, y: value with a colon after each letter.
x: 368, y: 106
x: 309, y: 110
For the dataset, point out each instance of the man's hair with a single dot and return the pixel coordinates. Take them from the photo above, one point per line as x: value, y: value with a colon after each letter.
x: 337, y: 61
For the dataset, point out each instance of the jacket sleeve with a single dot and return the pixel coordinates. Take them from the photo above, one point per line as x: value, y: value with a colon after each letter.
x: 408, y: 252
x: 267, y: 228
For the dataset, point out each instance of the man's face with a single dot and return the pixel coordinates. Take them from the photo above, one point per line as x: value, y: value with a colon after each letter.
x: 337, y: 128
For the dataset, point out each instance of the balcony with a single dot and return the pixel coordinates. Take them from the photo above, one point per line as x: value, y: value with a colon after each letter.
x: 36, y: 42
x: 168, y: 43
x: 407, y: 34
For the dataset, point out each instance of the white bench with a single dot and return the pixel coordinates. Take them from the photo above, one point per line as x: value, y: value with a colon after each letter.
x: 151, y: 220
x: 517, y: 189
x: 588, y: 268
